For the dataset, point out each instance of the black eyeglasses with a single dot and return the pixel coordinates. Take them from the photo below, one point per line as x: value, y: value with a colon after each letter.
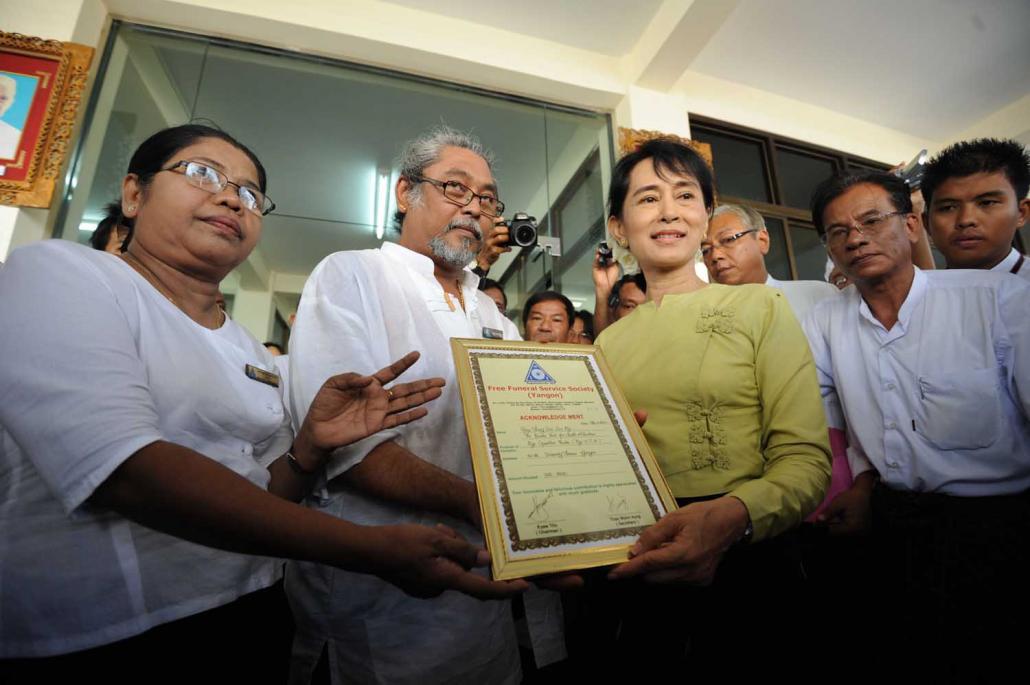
x: 706, y: 248
x: 461, y: 195
x: 214, y: 181
x: 836, y: 235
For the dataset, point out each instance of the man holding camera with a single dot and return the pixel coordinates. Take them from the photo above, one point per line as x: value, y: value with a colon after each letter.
x: 361, y: 307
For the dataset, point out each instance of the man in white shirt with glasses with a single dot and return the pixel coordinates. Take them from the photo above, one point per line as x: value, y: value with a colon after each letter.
x: 362, y: 306
x: 734, y: 252
x: 932, y: 372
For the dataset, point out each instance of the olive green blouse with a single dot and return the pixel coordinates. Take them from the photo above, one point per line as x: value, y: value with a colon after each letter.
x: 728, y: 382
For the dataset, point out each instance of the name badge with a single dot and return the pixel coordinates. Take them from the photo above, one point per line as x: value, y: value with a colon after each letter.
x: 261, y: 376
x: 493, y: 333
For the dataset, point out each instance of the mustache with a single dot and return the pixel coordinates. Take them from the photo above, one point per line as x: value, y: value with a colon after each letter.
x: 466, y: 223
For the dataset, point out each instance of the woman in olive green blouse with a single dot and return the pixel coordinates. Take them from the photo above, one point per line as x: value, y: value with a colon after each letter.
x: 724, y: 373
x: 735, y: 420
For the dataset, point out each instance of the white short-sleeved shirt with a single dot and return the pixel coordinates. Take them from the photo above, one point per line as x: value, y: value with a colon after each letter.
x: 940, y: 402
x: 97, y: 364
x: 360, y: 311
x: 803, y: 295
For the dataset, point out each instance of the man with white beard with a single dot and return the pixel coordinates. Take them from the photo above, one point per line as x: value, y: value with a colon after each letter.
x: 357, y: 308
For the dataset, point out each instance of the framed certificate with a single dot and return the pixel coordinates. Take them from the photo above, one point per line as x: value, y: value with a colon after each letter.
x: 565, y: 477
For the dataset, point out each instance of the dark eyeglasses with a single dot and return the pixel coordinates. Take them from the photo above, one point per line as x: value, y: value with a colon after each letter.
x: 461, y: 195
x: 837, y: 235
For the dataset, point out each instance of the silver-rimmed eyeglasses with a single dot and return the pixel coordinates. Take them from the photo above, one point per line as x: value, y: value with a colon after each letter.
x: 214, y: 181
x: 707, y: 247
x: 461, y: 195
x: 837, y: 234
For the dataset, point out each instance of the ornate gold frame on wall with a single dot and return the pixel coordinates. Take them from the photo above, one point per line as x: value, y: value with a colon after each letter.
x: 631, y: 138
x: 44, y: 156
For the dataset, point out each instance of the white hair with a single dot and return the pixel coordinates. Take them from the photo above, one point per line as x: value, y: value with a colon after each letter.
x: 425, y: 151
x: 748, y: 216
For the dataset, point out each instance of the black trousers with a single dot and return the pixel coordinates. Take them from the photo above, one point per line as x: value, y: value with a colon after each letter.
x: 749, y: 622
x: 953, y: 581
x: 246, y: 641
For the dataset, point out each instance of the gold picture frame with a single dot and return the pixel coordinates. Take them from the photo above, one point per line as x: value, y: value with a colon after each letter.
x: 631, y: 138
x: 41, y: 88
x: 537, y: 441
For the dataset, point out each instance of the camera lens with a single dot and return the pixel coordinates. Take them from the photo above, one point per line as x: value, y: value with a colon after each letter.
x: 525, y: 235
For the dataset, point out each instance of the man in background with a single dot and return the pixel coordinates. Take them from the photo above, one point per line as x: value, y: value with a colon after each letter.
x: 734, y: 252
x: 547, y: 317
x: 976, y: 200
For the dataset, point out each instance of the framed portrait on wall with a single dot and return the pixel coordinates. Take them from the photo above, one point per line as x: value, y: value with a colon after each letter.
x: 41, y: 86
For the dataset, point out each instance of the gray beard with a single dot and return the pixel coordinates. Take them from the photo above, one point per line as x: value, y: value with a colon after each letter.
x: 457, y: 257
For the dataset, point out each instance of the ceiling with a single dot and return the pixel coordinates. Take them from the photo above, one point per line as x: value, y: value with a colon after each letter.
x: 930, y: 68
x: 610, y: 27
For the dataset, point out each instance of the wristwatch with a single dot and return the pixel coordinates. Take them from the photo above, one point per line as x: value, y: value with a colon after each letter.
x: 749, y: 533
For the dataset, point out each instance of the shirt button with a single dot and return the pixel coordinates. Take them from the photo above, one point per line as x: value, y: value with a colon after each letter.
x: 892, y: 425
x: 893, y: 465
x: 890, y: 386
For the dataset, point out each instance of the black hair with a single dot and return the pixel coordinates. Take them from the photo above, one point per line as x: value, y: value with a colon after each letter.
x: 588, y: 322
x: 835, y: 186
x: 616, y: 295
x: 157, y: 151
x: 488, y: 283
x: 113, y: 218
x: 548, y: 296
x: 668, y: 156
x: 970, y: 157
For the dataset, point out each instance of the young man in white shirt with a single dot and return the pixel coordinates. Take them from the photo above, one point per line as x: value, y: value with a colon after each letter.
x: 976, y: 200
x: 932, y: 372
x: 734, y: 252
x: 358, y: 307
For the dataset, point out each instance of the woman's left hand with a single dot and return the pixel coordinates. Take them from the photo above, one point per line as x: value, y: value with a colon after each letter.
x: 687, y: 544
x: 349, y: 407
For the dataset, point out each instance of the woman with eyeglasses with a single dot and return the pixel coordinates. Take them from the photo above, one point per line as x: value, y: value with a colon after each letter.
x: 735, y: 420
x: 146, y: 463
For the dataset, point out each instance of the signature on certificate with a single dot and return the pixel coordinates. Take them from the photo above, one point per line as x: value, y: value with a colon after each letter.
x: 540, y: 512
x: 617, y: 503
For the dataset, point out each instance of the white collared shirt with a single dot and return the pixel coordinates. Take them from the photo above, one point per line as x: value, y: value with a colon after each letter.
x: 940, y: 402
x: 1006, y: 265
x: 803, y: 295
x: 360, y: 311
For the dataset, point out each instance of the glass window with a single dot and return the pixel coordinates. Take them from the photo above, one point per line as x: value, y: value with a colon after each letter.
x: 739, y: 166
x: 799, y: 175
x: 328, y: 134
x: 777, y: 262
x: 809, y: 252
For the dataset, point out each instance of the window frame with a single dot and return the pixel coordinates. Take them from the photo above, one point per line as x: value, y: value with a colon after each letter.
x: 793, y: 218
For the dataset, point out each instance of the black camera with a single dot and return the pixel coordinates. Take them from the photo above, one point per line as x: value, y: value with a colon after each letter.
x: 912, y: 173
x: 522, y: 231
